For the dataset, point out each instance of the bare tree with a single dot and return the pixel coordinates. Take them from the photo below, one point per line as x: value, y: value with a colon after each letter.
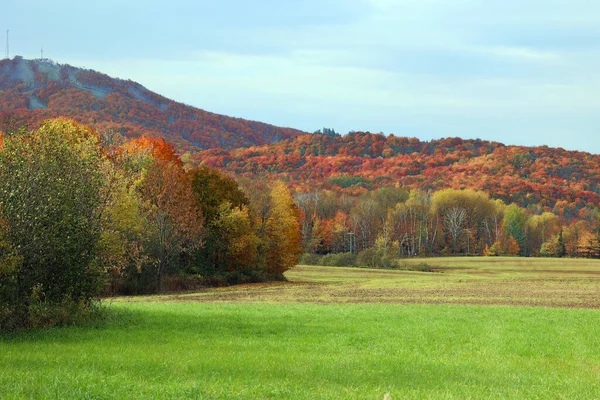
x: 454, y: 219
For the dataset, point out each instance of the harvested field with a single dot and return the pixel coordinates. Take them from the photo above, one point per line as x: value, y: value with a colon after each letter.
x: 483, y: 281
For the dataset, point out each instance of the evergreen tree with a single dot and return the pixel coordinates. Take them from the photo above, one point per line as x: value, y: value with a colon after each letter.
x: 561, y: 249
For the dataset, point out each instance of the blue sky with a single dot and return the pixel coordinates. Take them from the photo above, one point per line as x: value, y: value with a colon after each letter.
x: 515, y: 71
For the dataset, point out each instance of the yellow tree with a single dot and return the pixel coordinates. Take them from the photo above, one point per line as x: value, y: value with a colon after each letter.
x: 283, y: 238
x: 276, y: 221
x: 124, y: 228
x: 541, y: 229
x: 236, y: 236
x: 468, y: 218
x: 588, y: 245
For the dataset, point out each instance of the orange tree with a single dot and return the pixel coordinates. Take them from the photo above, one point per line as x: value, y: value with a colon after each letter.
x: 174, y: 225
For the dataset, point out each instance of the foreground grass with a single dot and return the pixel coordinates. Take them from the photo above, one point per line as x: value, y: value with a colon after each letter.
x: 309, y: 351
x: 334, y: 333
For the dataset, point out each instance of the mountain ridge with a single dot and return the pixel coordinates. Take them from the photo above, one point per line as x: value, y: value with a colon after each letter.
x: 32, y: 91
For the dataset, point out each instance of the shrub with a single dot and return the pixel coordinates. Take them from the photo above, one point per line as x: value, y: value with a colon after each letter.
x: 342, y: 260
x: 68, y: 312
x: 368, y: 258
x: 310, y: 259
x: 339, y: 260
x: 371, y: 258
x: 248, y: 275
x: 420, y: 267
x: 10, y: 265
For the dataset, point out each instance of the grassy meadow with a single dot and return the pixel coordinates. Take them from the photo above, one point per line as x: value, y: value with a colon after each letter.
x: 474, y: 328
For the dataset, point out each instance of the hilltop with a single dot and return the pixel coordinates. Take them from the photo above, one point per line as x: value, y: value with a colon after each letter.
x: 32, y: 91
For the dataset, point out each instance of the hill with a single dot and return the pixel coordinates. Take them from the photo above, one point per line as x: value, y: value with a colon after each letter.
x: 360, y: 161
x: 32, y: 91
x: 540, y: 177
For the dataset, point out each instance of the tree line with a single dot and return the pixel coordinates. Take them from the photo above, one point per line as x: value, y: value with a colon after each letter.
x: 391, y: 223
x: 83, y: 213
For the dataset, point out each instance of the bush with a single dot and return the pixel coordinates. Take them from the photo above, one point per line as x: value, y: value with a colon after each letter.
x: 420, y: 267
x: 10, y: 265
x: 310, y: 259
x: 371, y: 258
x: 43, y: 314
x: 341, y: 260
x: 39, y: 313
x: 344, y: 260
x: 249, y: 275
x: 368, y: 258
x: 183, y: 283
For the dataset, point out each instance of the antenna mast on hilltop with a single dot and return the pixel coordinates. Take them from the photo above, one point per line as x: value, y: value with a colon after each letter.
x: 7, y: 43
x: 42, y: 53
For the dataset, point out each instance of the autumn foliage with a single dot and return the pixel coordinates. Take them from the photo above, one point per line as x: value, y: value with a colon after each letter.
x: 540, y: 177
x: 387, y: 224
x: 82, y: 213
x: 171, y: 197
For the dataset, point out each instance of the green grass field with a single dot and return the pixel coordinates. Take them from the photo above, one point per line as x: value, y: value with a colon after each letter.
x: 316, y: 338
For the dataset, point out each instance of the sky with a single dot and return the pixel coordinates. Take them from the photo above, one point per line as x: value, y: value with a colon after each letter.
x: 523, y: 72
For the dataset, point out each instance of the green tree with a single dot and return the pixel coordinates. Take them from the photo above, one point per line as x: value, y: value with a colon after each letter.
x: 223, y: 204
x: 50, y: 199
x: 515, y: 225
x: 561, y: 249
x: 211, y: 188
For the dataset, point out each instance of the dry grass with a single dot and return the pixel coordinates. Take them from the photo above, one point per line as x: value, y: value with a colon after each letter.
x: 485, y: 281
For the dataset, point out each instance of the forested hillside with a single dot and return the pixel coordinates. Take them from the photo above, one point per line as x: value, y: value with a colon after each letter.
x: 32, y: 91
x: 541, y: 177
